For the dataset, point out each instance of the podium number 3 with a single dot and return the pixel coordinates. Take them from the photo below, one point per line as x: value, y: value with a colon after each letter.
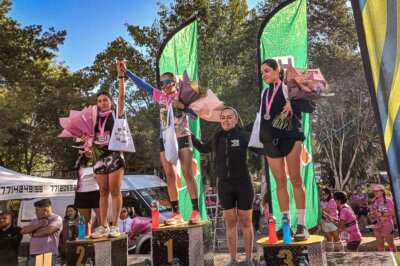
x: 170, y: 250
x: 287, y: 256
x: 81, y: 251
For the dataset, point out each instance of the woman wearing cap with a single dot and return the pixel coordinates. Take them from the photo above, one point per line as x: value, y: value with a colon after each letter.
x: 347, y: 222
x: 381, y: 213
x: 235, y: 189
x: 284, y: 145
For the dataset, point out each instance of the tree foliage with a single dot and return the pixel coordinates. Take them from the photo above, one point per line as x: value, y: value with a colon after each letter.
x: 35, y: 90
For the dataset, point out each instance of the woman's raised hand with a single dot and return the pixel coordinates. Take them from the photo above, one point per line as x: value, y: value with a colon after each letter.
x: 121, y: 67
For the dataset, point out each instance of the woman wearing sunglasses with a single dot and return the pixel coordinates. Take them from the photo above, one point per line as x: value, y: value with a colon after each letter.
x: 382, y: 212
x: 165, y: 97
x: 329, y: 211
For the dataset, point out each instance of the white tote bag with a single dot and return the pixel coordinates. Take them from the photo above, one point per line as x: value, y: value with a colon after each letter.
x: 169, y: 138
x: 255, y: 133
x: 121, y: 137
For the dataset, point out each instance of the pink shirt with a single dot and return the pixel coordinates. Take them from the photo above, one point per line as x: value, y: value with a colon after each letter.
x: 181, y: 124
x: 347, y: 215
x: 382, y: 205
x: 330, y: 204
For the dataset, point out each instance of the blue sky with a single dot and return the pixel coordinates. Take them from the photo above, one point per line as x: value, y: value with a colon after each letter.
x: 90, y: 24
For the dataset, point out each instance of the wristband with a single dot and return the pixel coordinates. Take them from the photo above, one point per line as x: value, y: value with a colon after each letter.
x: 120, y: 77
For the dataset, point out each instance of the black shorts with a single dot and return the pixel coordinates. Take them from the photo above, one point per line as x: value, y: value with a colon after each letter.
x: 361, y: 211
x: 236, y: 193
x: 87, y: 200
x: 183, y: 142
x: 279, y: 147
x: 109, y: 163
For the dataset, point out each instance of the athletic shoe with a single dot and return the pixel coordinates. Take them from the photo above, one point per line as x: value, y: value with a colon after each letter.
x: 114, y: 232
x: 301, y: 233
x: 194, y: 217
x: 279, y: 233
x: 233, y: 263
x: 248, y: 262
x: 100, y: 232
x: 174, y: 219
x: 259, y: 232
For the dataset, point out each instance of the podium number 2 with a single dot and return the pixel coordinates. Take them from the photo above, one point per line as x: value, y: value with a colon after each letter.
x: 170, y: 250
x: 287, y: 256
x: 81, y: 251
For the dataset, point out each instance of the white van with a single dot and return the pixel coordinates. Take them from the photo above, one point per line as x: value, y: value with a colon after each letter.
x: 137, y: 192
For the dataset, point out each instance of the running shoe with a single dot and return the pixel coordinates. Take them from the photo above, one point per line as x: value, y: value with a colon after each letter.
x: 301, y: 233
x: 174, y: 219
x: 114, y: 232
x: 194, y: 217
x: 100, y: 231
x: 248, y: 262
x: 233, y: 263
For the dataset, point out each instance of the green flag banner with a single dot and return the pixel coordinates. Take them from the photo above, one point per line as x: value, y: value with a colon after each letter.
x: 177, y: 54
x: 283, y: 35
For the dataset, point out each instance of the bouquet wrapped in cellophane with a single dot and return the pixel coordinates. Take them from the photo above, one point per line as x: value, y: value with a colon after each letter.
x: 202, y: 101
x: 306, y: 84
x: 79, y: 124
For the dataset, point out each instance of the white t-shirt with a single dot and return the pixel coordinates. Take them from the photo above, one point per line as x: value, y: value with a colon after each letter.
x: 125, y: 225
x: 86, y: 180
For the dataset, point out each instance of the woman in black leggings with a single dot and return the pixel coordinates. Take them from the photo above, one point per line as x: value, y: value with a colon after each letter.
x: 235, y: 188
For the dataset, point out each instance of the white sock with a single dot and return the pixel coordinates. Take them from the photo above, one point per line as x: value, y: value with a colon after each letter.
x: 301, y: 213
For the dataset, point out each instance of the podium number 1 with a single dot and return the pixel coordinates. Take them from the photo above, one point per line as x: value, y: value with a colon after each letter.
x: 170, y: 250
x: 81, y: 251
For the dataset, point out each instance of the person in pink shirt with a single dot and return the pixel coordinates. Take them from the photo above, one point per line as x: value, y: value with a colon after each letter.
x: 169, y: 95
x: 329, y: 209
x: 347, y: 222
x: 381, y: 213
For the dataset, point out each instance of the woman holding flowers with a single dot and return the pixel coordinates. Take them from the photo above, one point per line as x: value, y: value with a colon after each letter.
x: 281, y: 135
x: 109, y: 166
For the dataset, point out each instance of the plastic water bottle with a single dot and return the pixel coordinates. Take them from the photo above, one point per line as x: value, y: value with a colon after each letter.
x: 287, y: 237
x: 262, y: 261
x: 303, y: 261
x: 89, y: 262
x: 147, y: 262
x: 272, y: 237
x: 71, y: 229
x: 175, y: 262
x: 81, y: 228
x: 155, y: 216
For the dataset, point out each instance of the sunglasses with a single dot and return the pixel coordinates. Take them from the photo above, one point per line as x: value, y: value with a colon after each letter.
x: 165, y: 82
x: 378, y: 191
x: 323, y: 194
x: 123, y: 211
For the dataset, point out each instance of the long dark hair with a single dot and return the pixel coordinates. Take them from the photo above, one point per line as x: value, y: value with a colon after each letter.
x: 340, y: 196
x: 272, y: 63
x: 327, y: 192
x: 105, y: 93
x: 76, y: 212
x: 384, y: 197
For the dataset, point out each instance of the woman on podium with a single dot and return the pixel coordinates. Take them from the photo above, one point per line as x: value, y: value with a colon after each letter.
x: 235, y: 188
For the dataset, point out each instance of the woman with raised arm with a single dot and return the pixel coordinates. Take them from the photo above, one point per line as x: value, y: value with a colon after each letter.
x: 235, y: 188
x: 164, y: 98
x: 109, y: 168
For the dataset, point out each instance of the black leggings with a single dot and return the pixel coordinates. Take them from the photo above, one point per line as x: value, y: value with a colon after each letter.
x: 236, y: 193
